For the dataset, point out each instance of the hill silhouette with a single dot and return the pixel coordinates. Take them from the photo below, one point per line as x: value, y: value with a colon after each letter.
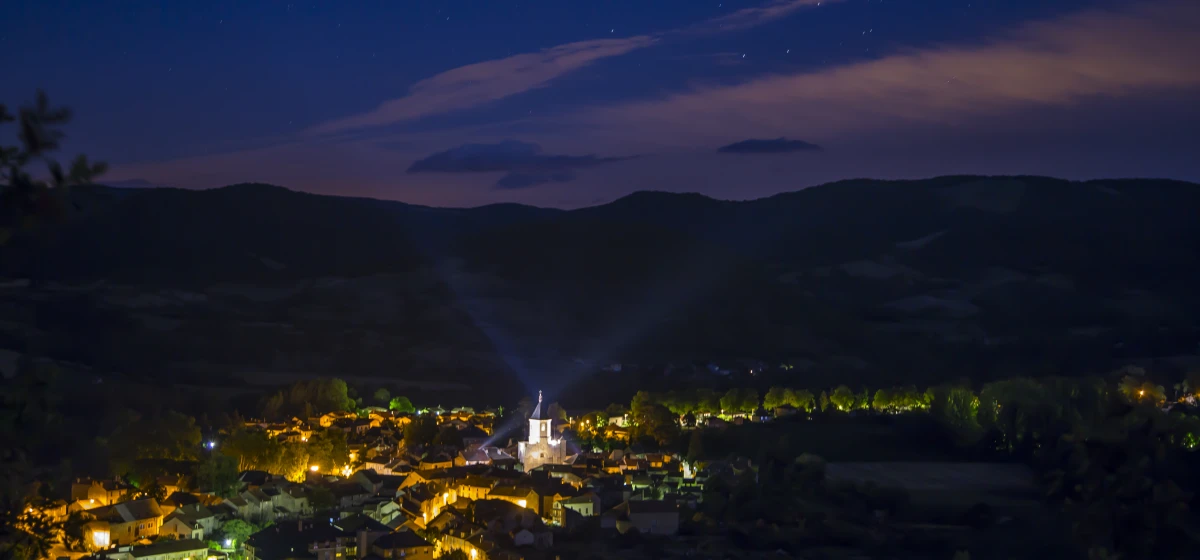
x: 915, y: 280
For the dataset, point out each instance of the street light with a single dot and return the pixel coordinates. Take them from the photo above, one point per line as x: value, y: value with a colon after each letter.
x: 314, y: 468
x: 228, y: 543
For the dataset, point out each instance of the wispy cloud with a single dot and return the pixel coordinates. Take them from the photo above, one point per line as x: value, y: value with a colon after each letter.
x: 1146, y: 47
x: 749, y: 18
x: 485, y: 82
x: 477, y: 84
x: 772, y: 146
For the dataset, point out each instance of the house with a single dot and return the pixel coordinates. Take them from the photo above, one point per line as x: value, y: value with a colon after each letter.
x: 523, y: 497
x: 370, y: 480
x: 587, y: 505
x: 657, y: 460
x: 124, y: 523
x: 519, y: 524
x: 359, y: 531
x: 470, y: 539
x: 619, y: 421
x: 348, y: 494
x: 383, y: 510
x: 550, y: 491
x: 378, y: 463
x: 179, y: 549
x: 330, y: 418
x: 785, y: 410
x: 252, y: 505
x: 652, y: 517
x: 431, y: 476
x: 473, y: 437
x: 405, y: 545
x: 181, y: 529
x: 178, y: 500
x: 254, y: 479
x: 468, y: 457
x: 290, y: 502
x: 436, y: 461
x: 714, y: 422
x: 361, y: 426
x: 190, y: 522
x: 476, y: 487
x: 541, y: 540
x: 421, y: 503
x: 300, y: 540
x: 99, y: 492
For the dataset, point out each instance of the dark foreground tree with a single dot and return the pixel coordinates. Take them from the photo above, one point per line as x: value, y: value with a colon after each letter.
x: 218, y: 474
x: 27, y: 202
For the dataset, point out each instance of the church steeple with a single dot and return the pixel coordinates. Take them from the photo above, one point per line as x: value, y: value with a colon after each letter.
x: 542, y: 447
x: 537, y: 410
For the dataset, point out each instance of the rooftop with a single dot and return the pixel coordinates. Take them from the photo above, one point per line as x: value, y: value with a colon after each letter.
x: 168, y: 547
x: 401, y: 539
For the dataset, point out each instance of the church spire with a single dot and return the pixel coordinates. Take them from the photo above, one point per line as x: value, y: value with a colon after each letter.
x: 537, y: 410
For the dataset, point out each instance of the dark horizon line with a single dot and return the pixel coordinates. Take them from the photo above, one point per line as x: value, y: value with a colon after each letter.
x: 830, y: 184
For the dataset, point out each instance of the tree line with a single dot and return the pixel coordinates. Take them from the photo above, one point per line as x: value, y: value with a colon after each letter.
x: 1116, y: 454
x: 1014, y: 409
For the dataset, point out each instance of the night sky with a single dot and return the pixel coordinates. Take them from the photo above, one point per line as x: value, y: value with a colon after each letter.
x: 576, y: 102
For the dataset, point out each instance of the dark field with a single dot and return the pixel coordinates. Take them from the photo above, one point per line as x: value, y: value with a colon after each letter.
x: 840, y: 439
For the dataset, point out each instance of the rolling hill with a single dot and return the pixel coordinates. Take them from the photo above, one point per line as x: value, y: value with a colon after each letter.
x: 915, y: 281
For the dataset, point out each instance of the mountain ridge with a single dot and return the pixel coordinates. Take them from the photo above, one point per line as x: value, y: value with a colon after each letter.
x: 857, y: 279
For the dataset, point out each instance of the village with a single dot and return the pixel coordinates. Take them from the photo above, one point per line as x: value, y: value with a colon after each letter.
x: 480, y: 496
x: 687, y: 473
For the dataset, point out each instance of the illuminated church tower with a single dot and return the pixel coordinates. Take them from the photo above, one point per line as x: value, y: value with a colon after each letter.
x: 542, y: 448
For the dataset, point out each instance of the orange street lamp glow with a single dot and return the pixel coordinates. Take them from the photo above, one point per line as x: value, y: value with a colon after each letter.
x: 314, y: 468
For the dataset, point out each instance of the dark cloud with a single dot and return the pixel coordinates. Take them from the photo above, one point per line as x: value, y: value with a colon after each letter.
x: 134, y: 184
x: 524, y: 162
x: 775, y: 146
x: 526, y: 180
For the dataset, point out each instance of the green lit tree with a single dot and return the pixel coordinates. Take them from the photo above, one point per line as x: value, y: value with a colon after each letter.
x: 842, y: 398
x: 776, y: 397
x: 401, y: 405
x: 744, y: 400
x: 884, y: 401
x: 238, y: 531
